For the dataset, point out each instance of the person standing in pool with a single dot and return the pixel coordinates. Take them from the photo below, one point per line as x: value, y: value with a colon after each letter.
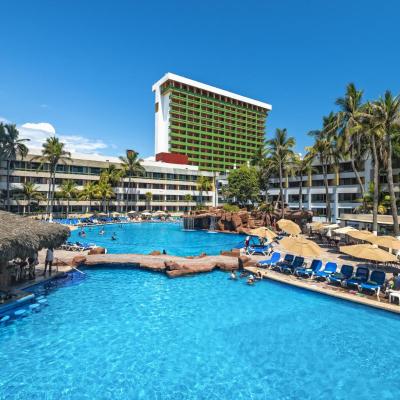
x: 48, y: 262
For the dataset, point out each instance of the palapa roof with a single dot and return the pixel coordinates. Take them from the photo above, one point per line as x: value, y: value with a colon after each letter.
x: 22, y: 237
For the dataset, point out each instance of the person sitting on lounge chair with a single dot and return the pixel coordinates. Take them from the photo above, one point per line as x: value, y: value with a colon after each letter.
x: 392, y: 284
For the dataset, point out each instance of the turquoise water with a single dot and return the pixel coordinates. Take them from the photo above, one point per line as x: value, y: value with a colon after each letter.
x: 128, y: 334
x: 145, y: 237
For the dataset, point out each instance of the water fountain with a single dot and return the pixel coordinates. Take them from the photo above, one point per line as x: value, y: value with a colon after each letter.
x: 188, y: 223
x: 212, y: 224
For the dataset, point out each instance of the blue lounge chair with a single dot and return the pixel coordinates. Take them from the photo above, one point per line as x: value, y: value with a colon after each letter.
x: 288, y: 260
x: 298, y: 262
x: 330, y: 268
x: 257, y: 249
x: 361, y: 276
x: 315, y: 266
x: 375, y: 282
x: 275, y: 257
x: 346, y: 272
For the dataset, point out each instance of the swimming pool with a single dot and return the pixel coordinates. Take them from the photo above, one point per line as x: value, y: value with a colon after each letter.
x: 129, y: 334
x: 145, y: 237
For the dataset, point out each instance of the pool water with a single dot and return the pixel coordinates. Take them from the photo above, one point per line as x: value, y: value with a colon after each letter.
x: 129, y: 334
x: 145, y: 237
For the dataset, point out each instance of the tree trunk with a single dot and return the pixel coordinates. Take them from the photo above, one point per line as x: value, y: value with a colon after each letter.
x: 391, y: 185
x: 48, y: 196
x: 359, y: 181
x: 53, y: 189
x: 8, y: 185
x: 67, y: 207
x: 376, y: 186
x: 129, y: 194
x: 327, y: 198
x: 301, y: 194
x: 281, y: 191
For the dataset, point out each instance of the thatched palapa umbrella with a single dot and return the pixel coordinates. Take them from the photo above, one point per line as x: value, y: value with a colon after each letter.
x: 368, y: 252
x: 289, y: 226
x: 361, y: 235
x: 23, y: 237
x: 301, y: 246
x: 264, y: 232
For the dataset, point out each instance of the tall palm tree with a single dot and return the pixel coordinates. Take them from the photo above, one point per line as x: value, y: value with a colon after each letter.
x: 11, y: 147
x: 131, y: 165
x: 88, y: 193
x: 281, y: 152
x: 386, y: 116
x: 302, y: 166
x: 187, y: 198
x: 53, y: 153
x: 105, y: 192
x: 326, y: 150
x: 204, y: 184
x: 149, y: 197
x: 352, y: 137
x: 30, y: 191
x: 68, y: 190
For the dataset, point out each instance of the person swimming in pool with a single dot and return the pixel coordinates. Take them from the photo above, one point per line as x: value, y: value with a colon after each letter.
x: 114, y: 236
x: 233, y: 275
x: 251, y: 280
x: 102, y: 231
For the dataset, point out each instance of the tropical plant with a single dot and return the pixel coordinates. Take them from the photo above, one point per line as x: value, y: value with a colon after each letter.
x: 352, y: 140
x: 149, y: 197
x: 188, y: 198
x: 280, y: 148
x: 131, y: 165
x: 386, y: 121
x: 11, y: 147
x: 326, y: 150
x: 88, y: 193
x: 302, y: 166
x: 53, y: 153
x: 204, y: 184
x: 30, y: 191
x: 105, y: 192
x: 68, y: 190
x: 243, y: 186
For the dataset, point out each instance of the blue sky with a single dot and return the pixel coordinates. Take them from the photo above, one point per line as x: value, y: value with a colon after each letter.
x: 86, y: 67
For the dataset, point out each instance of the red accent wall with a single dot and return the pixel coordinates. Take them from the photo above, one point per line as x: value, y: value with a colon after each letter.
x: 173, y: 158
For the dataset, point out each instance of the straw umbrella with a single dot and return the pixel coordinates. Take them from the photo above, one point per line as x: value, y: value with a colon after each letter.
x: 301, y: 246
x: 389, y: 242
x: 368, y: 252
x: 264, y: 232
x: 361, y: 235
x: 289, y: 227
x: 344, y: 230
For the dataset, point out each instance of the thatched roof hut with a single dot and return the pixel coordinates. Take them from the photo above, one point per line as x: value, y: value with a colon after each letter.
x: 22, y: 237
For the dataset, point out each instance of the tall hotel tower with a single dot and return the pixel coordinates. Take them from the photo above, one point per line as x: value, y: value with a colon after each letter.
x: 217, y: 130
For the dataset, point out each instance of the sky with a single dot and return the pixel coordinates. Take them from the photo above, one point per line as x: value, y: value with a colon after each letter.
x: 83, y: 70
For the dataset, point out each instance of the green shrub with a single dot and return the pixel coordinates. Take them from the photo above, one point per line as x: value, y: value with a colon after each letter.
x: 231, y: 208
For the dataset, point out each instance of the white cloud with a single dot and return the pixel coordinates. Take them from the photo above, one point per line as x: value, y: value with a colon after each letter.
x: 39, y: 132
x: 4, y: 120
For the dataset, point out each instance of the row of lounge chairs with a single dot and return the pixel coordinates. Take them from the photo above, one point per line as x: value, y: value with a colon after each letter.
x: 78, y: 246
x: 361, y: 279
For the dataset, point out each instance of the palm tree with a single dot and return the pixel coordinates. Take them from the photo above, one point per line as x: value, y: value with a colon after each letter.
x: 326, y: 150
x: 204, y: 184
x: 352, y: 137
x: 11, y: 147
x: 132, y: 167
x: 386, y: 117
x: 105, y: 193
x: 281, y: 149
x: 187, y: 198
x: 68, y: 190
x: 302, y: 166
x: 53, y: 152
x: 88, y: 193
x: 149, y: 197
x: 30, y: 191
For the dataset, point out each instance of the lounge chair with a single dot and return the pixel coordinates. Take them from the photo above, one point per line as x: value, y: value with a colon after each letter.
x: 305, y: 272
x: 346, y: 272
x: 361, y: 276
x: 330, y: 268
x: 375, y: 282
x: 287, y: 260
x: 298, y: 262
x: 275, y: 257
x: 257, y: 249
